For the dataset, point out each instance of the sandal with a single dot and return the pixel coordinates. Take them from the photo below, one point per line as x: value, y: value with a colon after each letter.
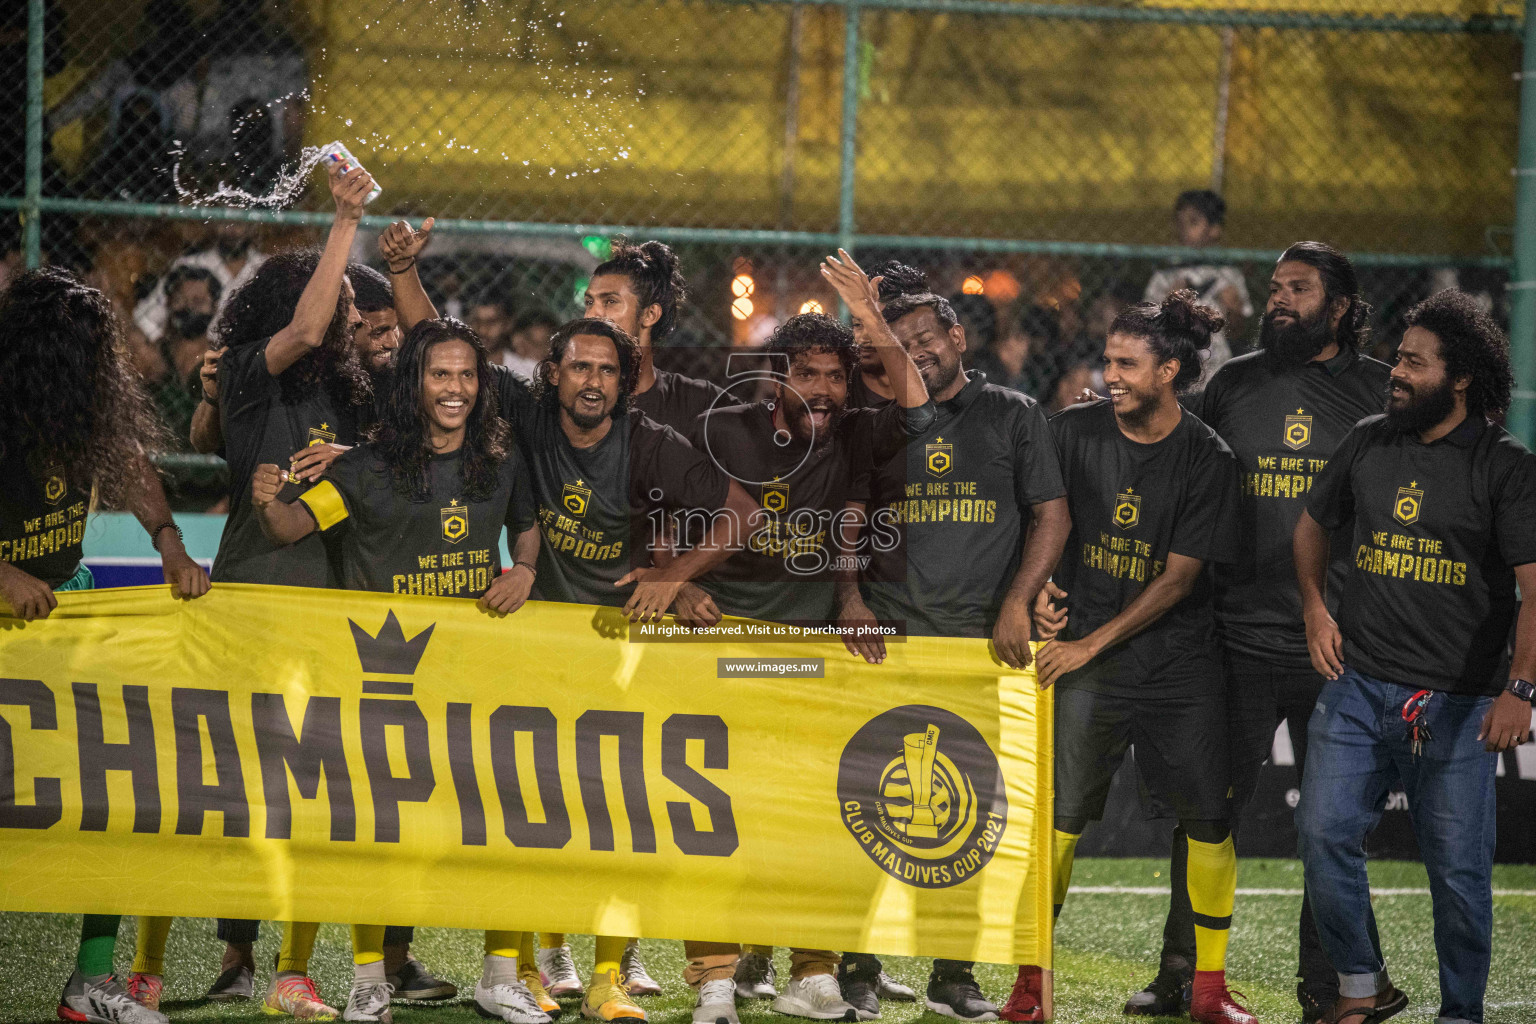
x: 1395, y: 1002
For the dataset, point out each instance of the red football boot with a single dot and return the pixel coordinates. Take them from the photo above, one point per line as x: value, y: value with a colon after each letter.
x: 1214, y: 1003
x: 1025, y: 1002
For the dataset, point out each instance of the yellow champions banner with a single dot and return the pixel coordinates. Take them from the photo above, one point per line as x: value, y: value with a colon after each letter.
x: 315, y: 755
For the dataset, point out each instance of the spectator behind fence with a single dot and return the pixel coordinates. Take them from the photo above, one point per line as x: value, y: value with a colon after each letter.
x: 192, y: 294
x: 232, y: 258
x: 979, y: 318
x: 530, y: 341
x: 490, y: 317
x: 1025, y: 358
x: 1199, y: 218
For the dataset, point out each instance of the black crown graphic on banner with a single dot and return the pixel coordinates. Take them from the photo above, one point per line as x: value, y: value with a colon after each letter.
x: 390, y: 651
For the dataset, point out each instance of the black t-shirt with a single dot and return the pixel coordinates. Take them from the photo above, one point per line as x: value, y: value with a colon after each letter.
x: 1282, y: 423
x: 448, y: 546
x: 676, y: 400
x: 597, y: 507
x: 861, y: 397
x: 261, y: 426
x: 42, y: 519
x: 1436, y: 533
x: 786, y: 572
x: 950, y: 508
x: 1132, y: 505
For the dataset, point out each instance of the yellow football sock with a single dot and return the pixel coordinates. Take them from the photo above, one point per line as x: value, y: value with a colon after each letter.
x: 298, y: 944
x: 524, y: 946
x: 606, y: 958
x: 149, y: 946
x: 367, y: 944
x: 507, y: 944
x: 1063, y: 850
x: 550, y: 940
x: 1212, y: 875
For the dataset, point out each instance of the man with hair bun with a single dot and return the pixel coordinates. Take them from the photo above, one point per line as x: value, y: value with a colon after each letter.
x: 641, y: 288
x: 1283, y: 409
x: 1439, y: 505
x: 1129, y: 618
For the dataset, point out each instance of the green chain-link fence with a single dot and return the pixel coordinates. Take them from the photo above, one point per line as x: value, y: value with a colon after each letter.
x: 1028, y: 153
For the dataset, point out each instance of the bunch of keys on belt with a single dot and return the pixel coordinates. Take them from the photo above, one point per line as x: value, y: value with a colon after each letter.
x: 1418, y: 726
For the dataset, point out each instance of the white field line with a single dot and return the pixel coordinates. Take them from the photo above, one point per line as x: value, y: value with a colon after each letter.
x: 1152, y: 890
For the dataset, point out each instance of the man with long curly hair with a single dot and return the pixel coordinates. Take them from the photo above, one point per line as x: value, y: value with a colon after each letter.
x: 289, y: 379
x: 418, y: 509
x: 290, y: 386
x: 1440, y: 505
x: 75, y: 429
x: 434, y: 483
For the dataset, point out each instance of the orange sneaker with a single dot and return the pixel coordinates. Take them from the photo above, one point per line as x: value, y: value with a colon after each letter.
x: 294, y: 995
x: 145, y: 989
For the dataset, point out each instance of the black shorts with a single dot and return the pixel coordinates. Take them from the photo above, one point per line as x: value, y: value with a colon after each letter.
x: 1181, y: 752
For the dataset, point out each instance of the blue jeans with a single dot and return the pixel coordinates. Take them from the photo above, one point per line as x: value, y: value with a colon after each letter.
x: 1357, y: 745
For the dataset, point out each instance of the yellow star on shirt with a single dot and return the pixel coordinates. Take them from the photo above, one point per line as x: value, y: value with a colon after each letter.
x: 455, y: 501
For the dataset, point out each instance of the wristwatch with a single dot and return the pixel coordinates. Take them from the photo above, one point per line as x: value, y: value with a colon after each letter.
x: 1523, y: 689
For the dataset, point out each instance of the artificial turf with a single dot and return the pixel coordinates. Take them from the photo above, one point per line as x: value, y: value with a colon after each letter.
x: 1106, y: 948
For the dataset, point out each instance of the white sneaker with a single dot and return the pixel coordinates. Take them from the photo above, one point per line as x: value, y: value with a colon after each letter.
x: 815, y: 996
x: 559, y: 970
x: 369, y: 1001
x: 717, y: 1003
x: 509, y: 1001
x: 103, y: 1002
x: 636, y: 978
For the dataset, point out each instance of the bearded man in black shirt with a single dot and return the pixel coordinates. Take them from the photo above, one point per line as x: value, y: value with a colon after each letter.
x: 1439, y: 504
x: 807, y: 458
x: 289, y: 378
x: 1283, y: 410
x: 976, y: 501
x: 1153, y: 495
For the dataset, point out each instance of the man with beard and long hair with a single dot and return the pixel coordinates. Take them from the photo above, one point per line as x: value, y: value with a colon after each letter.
x: 1283, y: 410
x: 807, y: 457
x: 375, y: 335
x: 577, y: 422
x: 1439, y: 505
x: 438, y: 476
x: 1130, y: 617
x: 76, y: 429
x: 289, y: 377
x: 970, y: 555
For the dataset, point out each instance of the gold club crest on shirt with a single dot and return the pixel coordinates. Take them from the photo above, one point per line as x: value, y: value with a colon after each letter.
x: 940, y: 458
x: 575, y: 498
x: 1127, y: 509
x: 1298, y: 430
x: 455, y: 522
x: 55, y: 486
x: 1409, y: 501
x: 323, y: 434
x: 776, y: 497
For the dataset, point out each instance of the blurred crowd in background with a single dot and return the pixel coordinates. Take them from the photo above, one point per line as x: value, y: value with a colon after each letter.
x: 216, y: 96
